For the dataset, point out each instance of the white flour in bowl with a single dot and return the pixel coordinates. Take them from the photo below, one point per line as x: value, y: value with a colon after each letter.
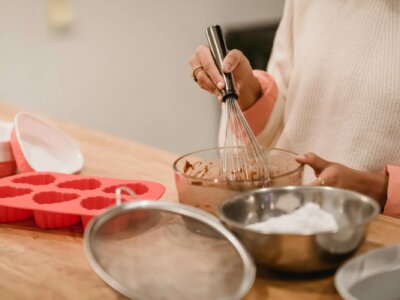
x: 308, y: 219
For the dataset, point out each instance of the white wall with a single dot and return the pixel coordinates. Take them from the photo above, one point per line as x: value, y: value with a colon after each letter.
x: 122, y: 67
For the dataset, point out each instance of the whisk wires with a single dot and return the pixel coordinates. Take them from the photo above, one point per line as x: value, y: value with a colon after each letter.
x: 243, y: 157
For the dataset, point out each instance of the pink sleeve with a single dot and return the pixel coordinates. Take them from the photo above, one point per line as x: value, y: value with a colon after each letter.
x: 258, y: 114
x: 392, y: 207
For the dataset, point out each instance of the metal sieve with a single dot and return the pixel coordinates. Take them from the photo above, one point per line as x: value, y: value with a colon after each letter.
x: 163, y: 250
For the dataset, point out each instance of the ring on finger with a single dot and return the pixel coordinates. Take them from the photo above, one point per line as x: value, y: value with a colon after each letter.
x: 195, y: 71
x: 321, y: 181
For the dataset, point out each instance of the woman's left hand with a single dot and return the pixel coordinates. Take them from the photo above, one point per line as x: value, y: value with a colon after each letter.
x: 334, y: 174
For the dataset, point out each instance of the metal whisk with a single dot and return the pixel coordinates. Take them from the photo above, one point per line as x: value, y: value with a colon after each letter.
x: 243, y: 158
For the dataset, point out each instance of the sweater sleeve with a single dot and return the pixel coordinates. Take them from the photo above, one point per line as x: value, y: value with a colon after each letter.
x: 392, y: 207
x: 258, y: 114
x: 280, y: 69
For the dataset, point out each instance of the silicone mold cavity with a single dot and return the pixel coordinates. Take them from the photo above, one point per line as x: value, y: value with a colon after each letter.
x: 10, y: 192
x: 95, y: 203
x: 59, y: 200
x: 47, y: 220
x: 38, y: 179
x: 138, y: 188
x: 113, y: 225
x: 82, y: 184
x: 8, y: 214
x: 53, y: 197
x: 99, y: 202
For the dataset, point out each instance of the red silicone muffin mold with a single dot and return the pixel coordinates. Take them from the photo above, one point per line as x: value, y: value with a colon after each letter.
x: 60, y: 200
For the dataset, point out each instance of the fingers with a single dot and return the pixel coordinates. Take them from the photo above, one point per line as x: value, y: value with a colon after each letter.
x: 318, y: 164
x: 313, y: 183
x: 231, y: 61
x: 209, y: 66
x: 208, y: 77
x: 239, y: 65
x: 314, y: 161
x: 319, y: 181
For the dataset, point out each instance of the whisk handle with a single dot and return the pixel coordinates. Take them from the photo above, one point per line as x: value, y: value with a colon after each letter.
x: 218, y: 50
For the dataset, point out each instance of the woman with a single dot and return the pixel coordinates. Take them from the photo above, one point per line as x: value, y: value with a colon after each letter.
x: 332, y: 86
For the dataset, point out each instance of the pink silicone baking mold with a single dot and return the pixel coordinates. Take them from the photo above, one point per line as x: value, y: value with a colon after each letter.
x: 60, y: 200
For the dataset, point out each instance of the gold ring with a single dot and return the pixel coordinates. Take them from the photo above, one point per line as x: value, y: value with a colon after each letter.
x: 195, y: 71
x: 321, y: 181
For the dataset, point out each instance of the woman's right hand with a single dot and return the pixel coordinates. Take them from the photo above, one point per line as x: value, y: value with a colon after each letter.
x: 209, y: 78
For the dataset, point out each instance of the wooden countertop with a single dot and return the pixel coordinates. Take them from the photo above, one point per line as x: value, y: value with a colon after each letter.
x: 51, y: 264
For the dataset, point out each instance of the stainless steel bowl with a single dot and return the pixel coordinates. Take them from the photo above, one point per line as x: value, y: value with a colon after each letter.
x: 300, y: 252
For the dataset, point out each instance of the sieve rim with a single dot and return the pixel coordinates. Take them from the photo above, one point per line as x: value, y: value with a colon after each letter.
x: 249, y: 269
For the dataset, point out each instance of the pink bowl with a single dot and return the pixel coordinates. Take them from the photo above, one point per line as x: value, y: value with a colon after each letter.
x: 7, y: 161
x: 41, y: 147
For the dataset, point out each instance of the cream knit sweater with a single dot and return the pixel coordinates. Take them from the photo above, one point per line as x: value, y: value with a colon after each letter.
x: 337, y: 67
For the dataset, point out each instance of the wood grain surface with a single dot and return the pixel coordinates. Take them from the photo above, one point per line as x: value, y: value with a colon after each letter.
x: 51, y: 264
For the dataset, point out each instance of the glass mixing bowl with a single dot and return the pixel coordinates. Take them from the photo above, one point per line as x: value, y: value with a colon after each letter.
x: 206, y: 188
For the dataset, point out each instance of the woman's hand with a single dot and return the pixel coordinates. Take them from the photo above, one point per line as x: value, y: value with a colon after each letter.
x: 209, y: 78
x: 337, y: 175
